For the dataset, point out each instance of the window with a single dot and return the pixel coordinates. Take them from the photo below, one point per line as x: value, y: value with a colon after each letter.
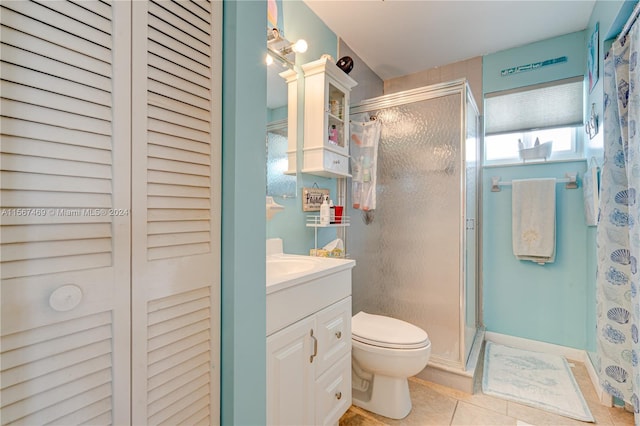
x: 546, y: 113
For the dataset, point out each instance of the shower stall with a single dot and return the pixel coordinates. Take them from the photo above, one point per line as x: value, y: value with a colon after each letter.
x: 416, y: 253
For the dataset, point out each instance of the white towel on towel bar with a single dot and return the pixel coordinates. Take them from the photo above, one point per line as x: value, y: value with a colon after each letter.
x: 534, y: 219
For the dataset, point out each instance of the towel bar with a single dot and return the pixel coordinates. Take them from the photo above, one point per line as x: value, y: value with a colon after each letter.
x: 571, y: 180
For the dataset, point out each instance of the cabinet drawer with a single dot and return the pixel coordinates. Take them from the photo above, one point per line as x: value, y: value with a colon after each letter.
x: 333, y: 331
x: 335, y: 162
x: 333, y: 392
x: 323, y: 162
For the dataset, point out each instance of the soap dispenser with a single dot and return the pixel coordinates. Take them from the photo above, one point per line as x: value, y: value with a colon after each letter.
x: 325, y: 211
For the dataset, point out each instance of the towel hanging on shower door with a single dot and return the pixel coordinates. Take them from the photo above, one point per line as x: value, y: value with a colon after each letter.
x: 534, y: 219
x: 364, y: 160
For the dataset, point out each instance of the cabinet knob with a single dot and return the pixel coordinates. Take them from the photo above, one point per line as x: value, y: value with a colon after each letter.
x: 338, y: 334
x: 338, y: 395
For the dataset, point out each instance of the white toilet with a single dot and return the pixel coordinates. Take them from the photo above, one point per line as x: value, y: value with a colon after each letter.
x: 386, y: 351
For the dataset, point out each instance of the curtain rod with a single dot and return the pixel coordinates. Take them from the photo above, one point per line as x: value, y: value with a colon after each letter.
x: 571, y: 180
x: 630, y: 21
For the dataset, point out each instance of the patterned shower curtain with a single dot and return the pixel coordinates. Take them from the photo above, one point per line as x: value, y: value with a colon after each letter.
x: 618, y: 234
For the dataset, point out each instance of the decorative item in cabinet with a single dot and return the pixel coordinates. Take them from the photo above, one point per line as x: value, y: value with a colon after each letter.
x: 326, y: 119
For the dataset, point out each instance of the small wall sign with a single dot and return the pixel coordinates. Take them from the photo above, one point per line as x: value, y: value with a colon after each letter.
x: 312, y: 198
x: 533, y: 66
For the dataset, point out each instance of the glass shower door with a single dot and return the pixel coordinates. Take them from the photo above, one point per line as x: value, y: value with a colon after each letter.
x: 411, y: 256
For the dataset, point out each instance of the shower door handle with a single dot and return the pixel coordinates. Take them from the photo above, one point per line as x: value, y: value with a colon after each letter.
x: 315, y: 347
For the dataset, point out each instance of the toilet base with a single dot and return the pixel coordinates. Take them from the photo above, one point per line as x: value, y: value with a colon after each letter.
x: 389, y: 397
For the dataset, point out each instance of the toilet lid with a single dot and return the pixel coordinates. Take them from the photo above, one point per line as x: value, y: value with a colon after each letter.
x: 387, y: 332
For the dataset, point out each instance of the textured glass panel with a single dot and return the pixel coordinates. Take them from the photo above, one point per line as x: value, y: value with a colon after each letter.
x: 470, y: 289
x: 279, y: 184
x: 409, y: 257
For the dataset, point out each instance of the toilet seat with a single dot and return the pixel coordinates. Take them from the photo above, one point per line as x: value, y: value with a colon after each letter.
x: 386, y: 332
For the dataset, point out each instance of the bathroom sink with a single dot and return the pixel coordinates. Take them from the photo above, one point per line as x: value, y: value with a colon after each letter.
x: 278, y: 266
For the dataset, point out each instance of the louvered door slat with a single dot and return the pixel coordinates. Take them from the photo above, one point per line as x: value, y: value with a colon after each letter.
x: 178, y: 179
x: 54, y: 265
x: 79, y: 14
x: 159, y: 164
x: 159, y: 63
x: 178, y: 191
x: 41, y: 367
x: 72, y: 90
x: 37, y: 182
x: 174, y: 117
x: 178, y: 401
x: 42, y: 47
x: 51, y: 100
x: 177, y: 154
x: 38, y: 148
x: 43, y: 165
x: 49, y: 116
x: 54, y: 68
x: 54, y: 35
x: 183, y: 90
x: 59, y: 21
x: 59, y: 200
x: 164, y: 102
x: 97, y: 413
x: 51, y: 413
x: 158, y: 216
x: 178, y: 227
x: 177, y: 32
x: 15, y: 234
x: 48, y: 381
x: 177, y: 130
x: 177, y: 322
x: 201, y: 28
x: 99, y: 7
x: 171, y: 384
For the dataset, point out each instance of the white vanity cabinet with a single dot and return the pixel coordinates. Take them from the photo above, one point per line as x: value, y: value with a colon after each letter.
x: 309, y: 351
x: 326, y: 119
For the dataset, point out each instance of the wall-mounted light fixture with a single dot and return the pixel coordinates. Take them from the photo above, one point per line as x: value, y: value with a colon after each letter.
x: 591, y: 126
x: 281, y: 49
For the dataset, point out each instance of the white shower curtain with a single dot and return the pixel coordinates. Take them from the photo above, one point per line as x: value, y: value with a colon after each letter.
x: 618, y: 234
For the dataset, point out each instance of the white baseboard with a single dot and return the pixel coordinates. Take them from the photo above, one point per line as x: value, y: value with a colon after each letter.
x: 550, y: 348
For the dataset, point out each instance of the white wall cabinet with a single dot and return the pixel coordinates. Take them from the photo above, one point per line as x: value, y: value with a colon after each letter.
x: 326, y: 119
x: 309, y: 368
x: 110, y: 250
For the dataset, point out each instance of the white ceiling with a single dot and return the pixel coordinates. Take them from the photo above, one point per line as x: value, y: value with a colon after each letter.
x: 400, y: 37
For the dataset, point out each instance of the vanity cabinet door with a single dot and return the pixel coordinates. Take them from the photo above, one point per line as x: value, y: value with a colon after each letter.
x: 334, y: 334
x: 290, y: 374
x: 333, y: 392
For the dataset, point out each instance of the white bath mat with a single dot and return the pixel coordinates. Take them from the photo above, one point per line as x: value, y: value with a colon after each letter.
x: 535, y: 379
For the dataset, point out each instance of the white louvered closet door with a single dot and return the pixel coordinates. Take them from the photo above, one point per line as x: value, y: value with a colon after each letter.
x: 65, y: 154
x: 110, y: 212
x: 176, y: 212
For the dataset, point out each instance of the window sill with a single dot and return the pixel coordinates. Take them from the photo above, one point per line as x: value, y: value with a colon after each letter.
x: 509, y: 163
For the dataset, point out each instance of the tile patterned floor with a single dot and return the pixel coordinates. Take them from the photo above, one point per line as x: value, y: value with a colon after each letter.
x: 435, y: 404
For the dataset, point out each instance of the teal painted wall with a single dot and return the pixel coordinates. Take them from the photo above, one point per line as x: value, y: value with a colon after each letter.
x: 570, y: 45
x: 547, y: 303
x: 290, y: 224
x: 556, y: 304
x: 521, y: 298
x: 243, y: 355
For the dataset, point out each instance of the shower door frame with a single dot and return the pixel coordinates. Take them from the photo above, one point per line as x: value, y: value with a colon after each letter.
x: 456, y: 87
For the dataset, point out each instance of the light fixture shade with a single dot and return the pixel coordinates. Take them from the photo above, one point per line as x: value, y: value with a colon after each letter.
x: 300, y: 46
